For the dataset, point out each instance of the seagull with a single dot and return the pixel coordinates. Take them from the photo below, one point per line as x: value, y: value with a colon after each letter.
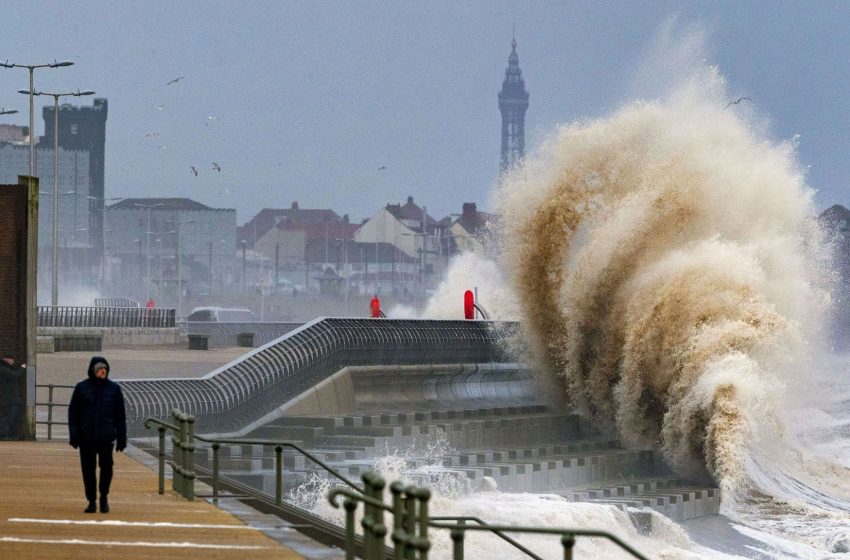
x: 162, y: 147
x: 212, y: 118
x: 149, y: 134
x: 174, y: 81
x: 195, y: 171
x: 216, y: 166
x: 737, y: 101
x: 159, y: 107
x: 382, y: 168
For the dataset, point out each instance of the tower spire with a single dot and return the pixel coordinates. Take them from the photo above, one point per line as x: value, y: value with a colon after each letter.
x: 513, y: 102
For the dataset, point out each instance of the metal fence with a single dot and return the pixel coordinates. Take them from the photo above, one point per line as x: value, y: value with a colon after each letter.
x: 62, y: 316
x: 239, y: 393
x: 224, y: 334
x: 408, y: 506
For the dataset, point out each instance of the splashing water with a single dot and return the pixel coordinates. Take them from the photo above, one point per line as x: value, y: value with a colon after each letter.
x: 665, y: 260
x: 466, y: 271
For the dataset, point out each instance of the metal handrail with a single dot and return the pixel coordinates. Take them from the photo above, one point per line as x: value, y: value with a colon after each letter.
x: 568, y: 536
x: 50, y: 404
x: 462, y: 519
x: 411, y: 522
x: 183, y: 464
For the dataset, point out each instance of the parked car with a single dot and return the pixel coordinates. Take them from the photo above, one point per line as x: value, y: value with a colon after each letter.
x: 221, y: 315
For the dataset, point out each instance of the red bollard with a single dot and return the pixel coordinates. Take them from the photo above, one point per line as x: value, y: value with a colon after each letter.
x: 468, y: 305
x: 375, y: 307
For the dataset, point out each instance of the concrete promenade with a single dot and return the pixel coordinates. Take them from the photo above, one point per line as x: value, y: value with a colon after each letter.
x: 41, y: 514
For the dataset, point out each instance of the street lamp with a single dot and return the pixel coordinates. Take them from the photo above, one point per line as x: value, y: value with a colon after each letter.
x: 3, y: 111
x: 177, y: 224
x: 149, y: 207
x: 31, y: 92
x: 54, y: 291
x: 103, y: 233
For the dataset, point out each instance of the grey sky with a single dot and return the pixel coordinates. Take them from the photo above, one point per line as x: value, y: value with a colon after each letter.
x: 311, y: 98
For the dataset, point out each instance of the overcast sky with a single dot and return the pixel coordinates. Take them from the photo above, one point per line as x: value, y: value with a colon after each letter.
x: 306, y: 100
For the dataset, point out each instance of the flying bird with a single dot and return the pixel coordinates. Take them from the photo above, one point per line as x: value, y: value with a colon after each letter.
x: 216, y: 166
x: 737, y: 101
x: 162, y: 147
x: 194, y: 171
x: 212, y: 118
x: 149, y: 134
x: 174, y: 81
x: 159, y: 107
x: 382, y: 168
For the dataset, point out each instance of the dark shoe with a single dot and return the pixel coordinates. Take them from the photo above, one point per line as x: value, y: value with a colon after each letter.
x: 91, y: 508
x: 104, y: 505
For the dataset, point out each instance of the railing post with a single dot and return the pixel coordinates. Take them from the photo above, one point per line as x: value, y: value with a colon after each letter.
x: 177, y: 453
x: 568, y: 541
x: 350, y: 508
x: 215, y: 447
x: 367, y: 522
x: 161, y: 458
x: 423, y: 543
x: 278, y: 474
x: 398, y: 536
x: 457, y: 540
x: 190, y: 457
x: 410, y: 522
x: 50, y: 411
x: 378, y: 526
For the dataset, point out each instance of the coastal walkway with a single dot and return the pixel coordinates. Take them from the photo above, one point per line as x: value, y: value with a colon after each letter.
x: 41, y: 514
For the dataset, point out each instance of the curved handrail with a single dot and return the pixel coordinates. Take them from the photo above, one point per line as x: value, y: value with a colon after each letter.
x: 236, y: 394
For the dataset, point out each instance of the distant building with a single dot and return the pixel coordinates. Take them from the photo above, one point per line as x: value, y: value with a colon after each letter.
x: 83, y: 129
x: 409, y: 228
x: 471, y: 231
x: 267, y: 218
x: 74, y: 185
x: 368, y: 268
x: 141, y: 246
x: 513, y: 102
x: 14, y: 133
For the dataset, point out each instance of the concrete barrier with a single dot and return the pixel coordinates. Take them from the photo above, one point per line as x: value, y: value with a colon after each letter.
x: 119, y: 336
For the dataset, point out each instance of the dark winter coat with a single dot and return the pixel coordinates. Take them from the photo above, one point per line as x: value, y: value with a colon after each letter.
x: 96, y: 413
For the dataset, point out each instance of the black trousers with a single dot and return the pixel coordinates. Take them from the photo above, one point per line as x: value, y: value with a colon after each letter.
x: 93, y: 454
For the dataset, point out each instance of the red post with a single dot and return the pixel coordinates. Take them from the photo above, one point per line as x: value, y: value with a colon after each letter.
x: 375, y: 307
x: 468, y: 305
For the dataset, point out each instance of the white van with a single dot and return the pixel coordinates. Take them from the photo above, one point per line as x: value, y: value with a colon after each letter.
x: 221, y: 315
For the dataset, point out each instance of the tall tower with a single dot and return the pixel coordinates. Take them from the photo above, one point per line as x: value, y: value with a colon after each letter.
x: 513, y: 102
x: 84, y: 128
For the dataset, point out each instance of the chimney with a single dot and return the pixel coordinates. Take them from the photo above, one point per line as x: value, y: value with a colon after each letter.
x: 410, y: 200
x: 469, y: 211
x: 295, y: 205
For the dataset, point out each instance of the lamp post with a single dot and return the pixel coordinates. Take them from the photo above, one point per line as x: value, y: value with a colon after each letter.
x: 177, y: 224
x: 244, y: 244
x: 103, y: 234
x: 148, y: 259
x: 3, y: 111
x: 54, y: 287
x: 31, y: 92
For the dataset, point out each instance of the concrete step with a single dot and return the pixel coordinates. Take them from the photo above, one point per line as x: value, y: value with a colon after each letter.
x: 669, y: 496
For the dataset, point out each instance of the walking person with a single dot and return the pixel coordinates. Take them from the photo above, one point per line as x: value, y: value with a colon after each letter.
x: 96, y: 422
